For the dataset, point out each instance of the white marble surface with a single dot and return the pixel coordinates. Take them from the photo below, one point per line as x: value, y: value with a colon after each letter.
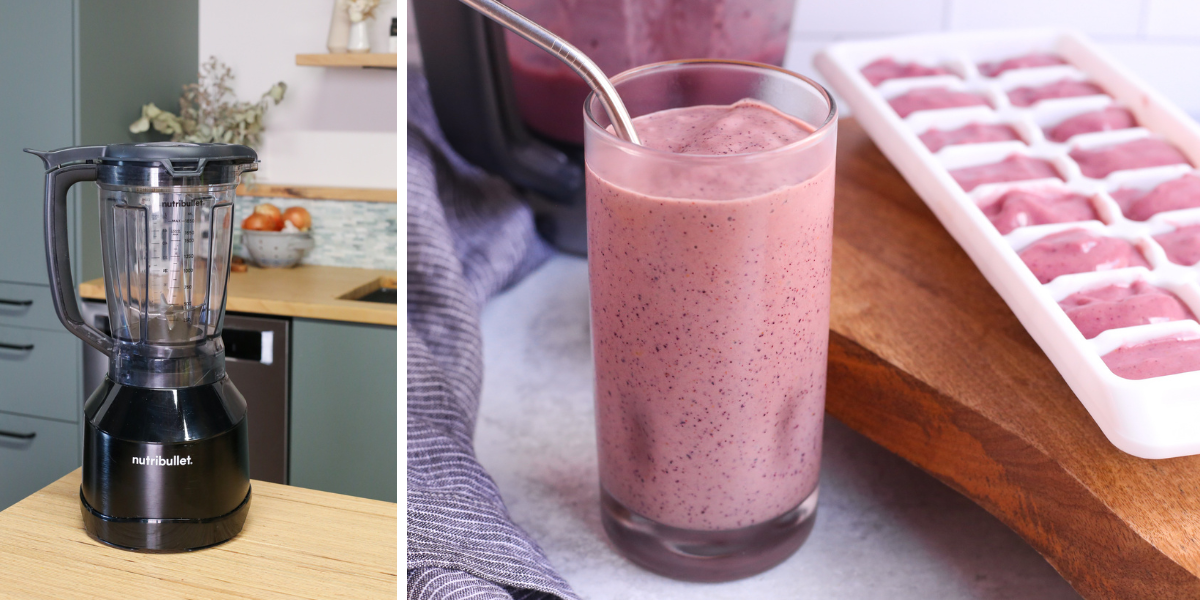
x: 884, y: 529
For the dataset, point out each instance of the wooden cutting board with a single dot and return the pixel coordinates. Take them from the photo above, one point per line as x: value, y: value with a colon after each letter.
x: 929, y: 362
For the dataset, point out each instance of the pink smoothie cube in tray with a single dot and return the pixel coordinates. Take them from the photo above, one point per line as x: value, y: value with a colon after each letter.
x: 887, y: 68
x: 1022, y: 208
x: 1079, y: 251
x: 1064, y: 88
x: 934, y: 98
x: 1155, y: 358
x: 1138, y: 154
x: 974, y: 133
x: 1017, y: 167
x: 1108, y: 119
x: 1182, y: 246
x: 1114, y: 306
x: 1176, y: 194
x: 1037, y: 59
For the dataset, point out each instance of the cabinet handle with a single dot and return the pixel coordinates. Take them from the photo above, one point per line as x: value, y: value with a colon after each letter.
x: 19, y: 436
x: 22, y: 347
x: 16, y: 302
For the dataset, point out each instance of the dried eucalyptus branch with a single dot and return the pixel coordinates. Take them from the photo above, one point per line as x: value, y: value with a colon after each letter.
x: 209, y: 111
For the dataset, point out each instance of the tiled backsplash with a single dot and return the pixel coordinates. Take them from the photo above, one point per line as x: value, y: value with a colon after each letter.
x: 346, y: 234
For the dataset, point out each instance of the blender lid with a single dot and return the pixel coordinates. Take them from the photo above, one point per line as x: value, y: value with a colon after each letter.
x: 178, y: 151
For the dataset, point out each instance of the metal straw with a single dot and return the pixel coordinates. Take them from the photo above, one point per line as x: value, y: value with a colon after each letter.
x: 578, y: 61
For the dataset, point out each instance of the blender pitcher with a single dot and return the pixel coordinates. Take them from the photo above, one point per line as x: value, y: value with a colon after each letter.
x: 165, y: 446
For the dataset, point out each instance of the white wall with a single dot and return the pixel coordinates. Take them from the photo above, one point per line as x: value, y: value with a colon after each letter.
x: 1158, y: 39
x: 336, y: 127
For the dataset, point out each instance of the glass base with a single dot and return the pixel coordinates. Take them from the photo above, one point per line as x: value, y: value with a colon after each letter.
x: 706, y: 556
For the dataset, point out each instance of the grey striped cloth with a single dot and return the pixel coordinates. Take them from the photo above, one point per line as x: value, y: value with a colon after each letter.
x: 469, y: 236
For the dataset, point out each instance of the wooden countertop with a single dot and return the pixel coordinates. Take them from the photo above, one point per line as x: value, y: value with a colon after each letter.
x: 296, y: 543
x: 305, y: 291
x: 928, y: 361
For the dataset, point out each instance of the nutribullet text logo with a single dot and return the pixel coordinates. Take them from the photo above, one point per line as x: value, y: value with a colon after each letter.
x: 159, y: 461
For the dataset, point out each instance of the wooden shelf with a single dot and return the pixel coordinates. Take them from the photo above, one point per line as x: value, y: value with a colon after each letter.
x: 307, y: 192
x: 377, y: 61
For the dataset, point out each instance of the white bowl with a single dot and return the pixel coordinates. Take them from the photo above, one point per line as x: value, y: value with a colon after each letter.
x: 277, y: 249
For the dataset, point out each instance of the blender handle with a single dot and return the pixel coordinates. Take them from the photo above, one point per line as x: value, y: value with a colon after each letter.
x: 58, y: 257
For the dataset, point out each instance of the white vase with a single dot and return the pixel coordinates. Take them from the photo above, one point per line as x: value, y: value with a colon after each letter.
x: 360, y: 37
x: 339, y: 28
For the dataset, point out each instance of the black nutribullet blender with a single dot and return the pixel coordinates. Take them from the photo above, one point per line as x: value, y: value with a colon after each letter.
x: 165, y: 464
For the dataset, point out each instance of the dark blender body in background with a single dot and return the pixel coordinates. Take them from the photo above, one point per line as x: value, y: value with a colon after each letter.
x: 516, y: 111
x: 165, y: 465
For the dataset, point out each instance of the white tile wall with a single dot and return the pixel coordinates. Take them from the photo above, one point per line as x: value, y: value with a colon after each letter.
x: 1159, y: 40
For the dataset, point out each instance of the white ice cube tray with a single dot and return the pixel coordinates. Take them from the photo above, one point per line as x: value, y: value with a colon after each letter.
x: 1149, y: 418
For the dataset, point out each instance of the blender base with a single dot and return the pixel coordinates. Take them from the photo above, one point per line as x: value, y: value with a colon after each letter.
x: 162, y: 535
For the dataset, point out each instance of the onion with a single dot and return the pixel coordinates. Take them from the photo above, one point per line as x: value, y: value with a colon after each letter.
x: 271, y: 212
x: 258, y: 222
x: 298, y: 217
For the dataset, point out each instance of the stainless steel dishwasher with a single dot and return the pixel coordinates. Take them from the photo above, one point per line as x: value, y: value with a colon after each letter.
x: 256, y: 358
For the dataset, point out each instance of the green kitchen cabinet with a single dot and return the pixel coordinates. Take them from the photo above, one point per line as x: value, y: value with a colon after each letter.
x: 343, y: 404
x: 72, y: 72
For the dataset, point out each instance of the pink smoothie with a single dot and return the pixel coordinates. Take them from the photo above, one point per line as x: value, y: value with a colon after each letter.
x: 1156, y: 358
x: 1017, y: 167
x: 994, y: 69
x: 1110, y: 307
x: 974, y: 133
x: 1138, y: 154
x: 1109, y: 119
x: 887, y: 68
x: 1022, y: 208
x: 621, y: 35
x: 1182, y: 245
x: 932, y: 99
x: 1176, y: 194
x: 1066, y: 88
x: 710, y: 325
x: 1079, y: 251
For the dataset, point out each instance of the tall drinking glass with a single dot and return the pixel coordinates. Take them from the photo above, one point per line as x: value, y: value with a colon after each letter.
x: 710, y: 283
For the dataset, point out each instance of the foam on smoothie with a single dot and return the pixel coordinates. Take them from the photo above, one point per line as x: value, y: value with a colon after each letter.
x: 1114, y: 306
x: 710, y: 322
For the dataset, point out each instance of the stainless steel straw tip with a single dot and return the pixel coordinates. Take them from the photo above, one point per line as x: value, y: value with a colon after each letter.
x: 572, y: 56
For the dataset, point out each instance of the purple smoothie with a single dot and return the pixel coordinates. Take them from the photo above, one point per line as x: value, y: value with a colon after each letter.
x: 1156, y: 358
x: 1138, y: 154
x: 1065, y: 88
x: 887, y: 68
x: 1176, y: 194
x: 1114, y: 306
x: 934, y: 98
x: 973, y: 133
x: 1017, y: 167
x: 1028, y: 61
x: 1182, y: 245
x: 1079, y: 251
x: 710, y: 325
x: 1022, y: 208
x: 1108, y: 119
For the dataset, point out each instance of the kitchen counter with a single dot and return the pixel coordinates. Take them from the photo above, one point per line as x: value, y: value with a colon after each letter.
x: 884, y: 528
x: 297, y: 543
x: 308, y: 291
